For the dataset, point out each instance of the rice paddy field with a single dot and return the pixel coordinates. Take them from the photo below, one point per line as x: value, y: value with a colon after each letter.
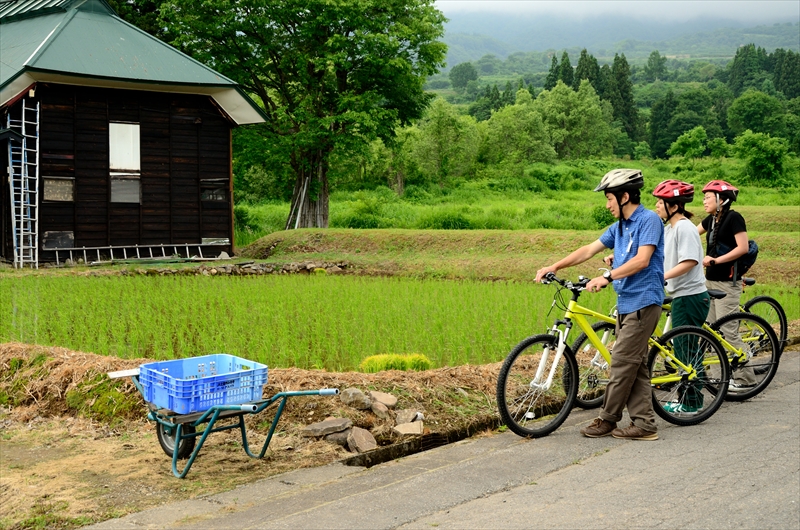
x: 302, y: 321
x: 314, y: 321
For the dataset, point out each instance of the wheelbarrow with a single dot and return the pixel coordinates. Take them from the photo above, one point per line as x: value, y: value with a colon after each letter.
x: 184, y: 394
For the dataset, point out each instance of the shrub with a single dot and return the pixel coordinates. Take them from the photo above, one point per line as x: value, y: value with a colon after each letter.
x: 394, y: 361
x: 445, y: 220
x: 602, y: 216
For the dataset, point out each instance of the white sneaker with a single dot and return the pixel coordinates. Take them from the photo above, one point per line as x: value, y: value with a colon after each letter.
x: 738, y: 387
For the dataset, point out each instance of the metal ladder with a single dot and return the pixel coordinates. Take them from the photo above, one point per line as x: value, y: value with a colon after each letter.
x: 24, y: 185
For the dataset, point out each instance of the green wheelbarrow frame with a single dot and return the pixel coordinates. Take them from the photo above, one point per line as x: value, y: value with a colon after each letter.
x: 173, y: 423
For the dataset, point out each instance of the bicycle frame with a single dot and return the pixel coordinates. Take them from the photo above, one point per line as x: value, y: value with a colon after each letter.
x: 578, y: 314
x: 730, y: 348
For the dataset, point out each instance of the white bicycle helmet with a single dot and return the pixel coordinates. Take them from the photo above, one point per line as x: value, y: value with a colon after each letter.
x: 620, y: 180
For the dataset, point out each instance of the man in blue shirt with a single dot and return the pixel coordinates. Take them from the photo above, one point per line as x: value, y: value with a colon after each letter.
x: 638, y: 279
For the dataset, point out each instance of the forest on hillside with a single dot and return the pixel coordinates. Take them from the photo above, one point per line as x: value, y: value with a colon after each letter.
x: 357, y: 98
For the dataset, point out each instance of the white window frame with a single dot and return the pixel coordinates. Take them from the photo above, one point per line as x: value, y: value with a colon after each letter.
x: 124, y: 160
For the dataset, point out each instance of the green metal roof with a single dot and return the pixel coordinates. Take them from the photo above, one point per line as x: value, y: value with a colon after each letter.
x: 83, y: 42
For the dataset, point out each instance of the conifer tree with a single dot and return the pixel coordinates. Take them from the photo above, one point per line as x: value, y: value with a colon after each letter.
x: 660, y: 116
x: 605, y: 83
x: 622, y: 96
x: 744, y: 69
x: 552, y: 75
x: 587, y: 69
x: 565, y: 72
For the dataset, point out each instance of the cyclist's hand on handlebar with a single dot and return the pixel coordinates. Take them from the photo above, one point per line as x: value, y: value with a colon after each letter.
x: 609, y: 260
x: 596, y: 284
x: 540, y: 274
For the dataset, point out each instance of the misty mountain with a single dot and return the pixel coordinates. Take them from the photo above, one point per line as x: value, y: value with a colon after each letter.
x: 470, y: 36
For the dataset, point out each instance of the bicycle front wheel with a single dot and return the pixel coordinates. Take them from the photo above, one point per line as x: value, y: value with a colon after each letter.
x: 536, y: 387
x: 770, y: 310
x: 593, y: 370
x: 757, y: 353
x: 692, y: 393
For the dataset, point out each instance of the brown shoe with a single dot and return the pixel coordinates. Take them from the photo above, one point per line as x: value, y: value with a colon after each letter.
x: 598, y: 428
x: 632, y: 432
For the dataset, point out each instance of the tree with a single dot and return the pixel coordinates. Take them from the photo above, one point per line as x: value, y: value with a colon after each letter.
x: 656, y: 67
x: 758, y: 112
x: 691, y: 144
x: 765, y: 156
x: 622, y: 96
x: 588, y: 69
x: 579, y: 123
x: 516, y: 133
x: 461, y: 74
x: 330, y: 75
x: 660, y: 117
x: 553, y: 75
x: 565, y: 72
x: 448, y: 143
x: 144, y: 14
x: 744, y: 71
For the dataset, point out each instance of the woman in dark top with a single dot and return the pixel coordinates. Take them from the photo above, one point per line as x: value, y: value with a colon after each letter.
x: 726, y: 238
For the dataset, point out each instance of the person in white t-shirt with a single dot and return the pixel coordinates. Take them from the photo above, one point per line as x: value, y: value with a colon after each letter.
x: 683, y: 269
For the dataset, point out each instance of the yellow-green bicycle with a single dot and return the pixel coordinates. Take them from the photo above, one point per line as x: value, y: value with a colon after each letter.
x: 750, y: 342
x: 539, y: 380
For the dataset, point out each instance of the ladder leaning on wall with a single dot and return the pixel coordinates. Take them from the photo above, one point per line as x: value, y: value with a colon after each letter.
x: 24, y: 184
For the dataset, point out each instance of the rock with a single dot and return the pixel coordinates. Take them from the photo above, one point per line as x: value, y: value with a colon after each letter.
x: 380, y: 410
x: 353, y: 397
x: 334, y: 269
x: 462, y: 392
x: 361, y: 440
x: 407, y: 416
x: 339, y: 438
x: 413, y: 428
x: 327, y: 426
x: 387, y: 399
x: 223, y: 255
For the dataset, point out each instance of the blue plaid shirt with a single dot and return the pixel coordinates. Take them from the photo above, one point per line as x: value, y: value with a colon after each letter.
x: 646, y: 287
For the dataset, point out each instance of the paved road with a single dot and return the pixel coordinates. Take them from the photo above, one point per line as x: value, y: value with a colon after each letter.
x: 740, y: 469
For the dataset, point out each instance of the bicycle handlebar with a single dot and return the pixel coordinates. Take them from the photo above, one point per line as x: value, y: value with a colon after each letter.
x: 580, y: 286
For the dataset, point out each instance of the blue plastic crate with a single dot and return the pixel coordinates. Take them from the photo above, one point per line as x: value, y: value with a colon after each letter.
x: 198, y: 383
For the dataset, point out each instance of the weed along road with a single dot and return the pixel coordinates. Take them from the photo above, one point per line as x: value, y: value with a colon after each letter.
x: 739, y: 469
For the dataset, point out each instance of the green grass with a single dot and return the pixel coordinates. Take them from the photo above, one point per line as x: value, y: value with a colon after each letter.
x: 303, y: 321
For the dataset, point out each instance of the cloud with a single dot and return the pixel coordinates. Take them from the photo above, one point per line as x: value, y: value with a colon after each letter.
x: 673, y: 10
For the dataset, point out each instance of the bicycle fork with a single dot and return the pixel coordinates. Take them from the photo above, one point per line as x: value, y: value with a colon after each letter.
x: 561, y: 344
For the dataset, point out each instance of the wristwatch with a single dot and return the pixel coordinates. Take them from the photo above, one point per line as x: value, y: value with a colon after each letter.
x: 607, y: 276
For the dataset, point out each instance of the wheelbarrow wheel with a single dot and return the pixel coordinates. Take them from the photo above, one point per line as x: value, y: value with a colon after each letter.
x: 166, y: 437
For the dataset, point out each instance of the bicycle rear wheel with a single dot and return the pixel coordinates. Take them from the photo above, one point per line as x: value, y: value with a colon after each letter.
x: 770, y: 310
x: 678, y: 396
x: 527, y: 405
x: 757, y: 340
x: 593, y: 370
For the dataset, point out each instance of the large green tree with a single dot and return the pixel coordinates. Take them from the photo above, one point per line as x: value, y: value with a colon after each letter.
x: 759, y: 112
x: 579, y: 123
x: 660, y: 117
x: 330, y: 74
x: 461, y: 74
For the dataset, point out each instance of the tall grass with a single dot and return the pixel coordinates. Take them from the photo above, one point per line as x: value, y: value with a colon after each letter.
x: 303, y: 321
x: 538, y: 196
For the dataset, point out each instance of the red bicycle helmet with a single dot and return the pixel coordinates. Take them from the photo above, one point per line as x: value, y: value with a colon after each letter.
x: 674, y: 191
x: 722, y: 188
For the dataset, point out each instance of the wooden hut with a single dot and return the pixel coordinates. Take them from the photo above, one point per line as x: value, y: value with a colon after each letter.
x: 114, y: 144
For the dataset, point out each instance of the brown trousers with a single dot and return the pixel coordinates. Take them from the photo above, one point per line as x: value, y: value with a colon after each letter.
x: 629, y: 381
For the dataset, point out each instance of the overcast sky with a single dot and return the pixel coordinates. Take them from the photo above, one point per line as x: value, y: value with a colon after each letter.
x: 674, y: 10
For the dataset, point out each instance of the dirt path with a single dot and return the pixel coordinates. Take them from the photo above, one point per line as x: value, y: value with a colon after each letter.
x: 64, y: 462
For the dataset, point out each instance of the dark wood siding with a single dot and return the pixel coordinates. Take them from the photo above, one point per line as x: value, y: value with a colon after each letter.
x: 183, y: 139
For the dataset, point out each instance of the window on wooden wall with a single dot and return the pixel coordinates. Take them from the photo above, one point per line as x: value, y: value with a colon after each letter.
x: 214, y: 190
x: 59, y: 189
x: 124, y: 162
